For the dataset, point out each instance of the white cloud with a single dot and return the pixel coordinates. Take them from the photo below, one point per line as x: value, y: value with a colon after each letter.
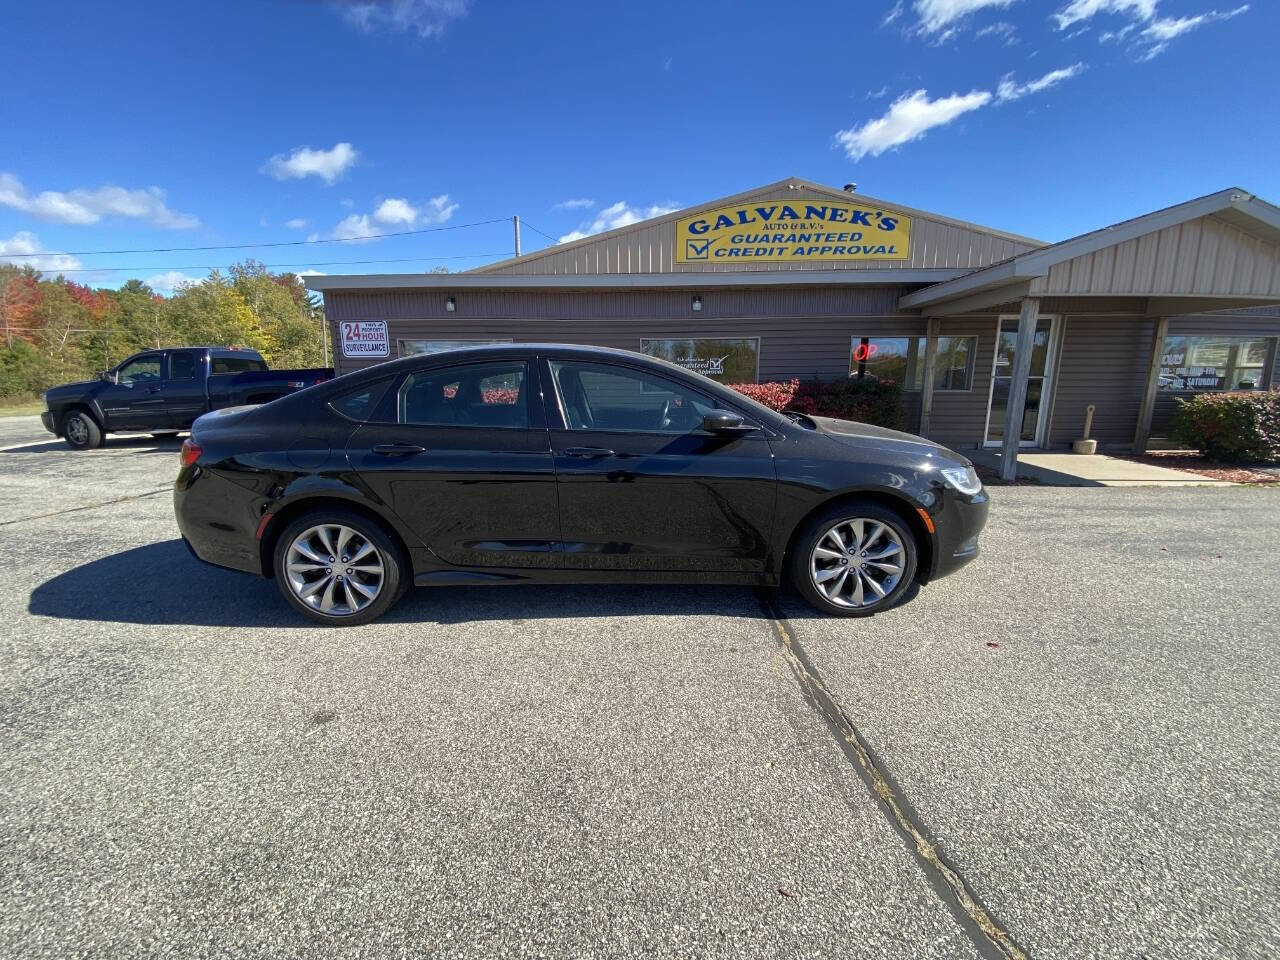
x: 894, y: 13
x: 328, y: 165
x: 309, y: 273
x: 909, y: 118
x: 1008, y: 90
x: 439, y: 209
x: 618, y: 215
x: 393, y: 210
x: 1109, y: 36
x: 355, y: 227
x: 1001, y: 29
x: 426, y: 18
x: 170, y: 281
x: 581, y: 203
x: 83, y: 206
x: 940, y: 16
x: 297, y: 223
x: 1159, y: 33
x: 1078, y: 10
x: 19, y: 248
x: 878, y: 94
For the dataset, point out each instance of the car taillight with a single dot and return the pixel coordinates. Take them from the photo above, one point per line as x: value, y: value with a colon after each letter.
x: 190, y: 452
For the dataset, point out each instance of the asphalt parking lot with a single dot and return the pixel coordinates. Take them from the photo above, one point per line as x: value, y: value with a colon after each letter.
x: 1080, y: 728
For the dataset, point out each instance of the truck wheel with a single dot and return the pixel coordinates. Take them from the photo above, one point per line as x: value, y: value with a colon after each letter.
x: 81, y: 431
x: 339, y: 568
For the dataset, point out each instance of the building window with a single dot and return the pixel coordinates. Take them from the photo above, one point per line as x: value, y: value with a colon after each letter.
x: 1213, y: 363
x: 902, y: 359
x: 414, y: 348
x: 726, y: 360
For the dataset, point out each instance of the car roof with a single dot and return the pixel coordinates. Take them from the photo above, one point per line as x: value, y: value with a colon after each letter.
x: 482, y: 350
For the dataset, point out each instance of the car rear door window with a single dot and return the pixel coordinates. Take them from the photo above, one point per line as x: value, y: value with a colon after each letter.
x: 598, y: 396
x: 472, y: 395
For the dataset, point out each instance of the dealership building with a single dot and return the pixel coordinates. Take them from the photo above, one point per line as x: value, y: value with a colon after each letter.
x: 999, y: 339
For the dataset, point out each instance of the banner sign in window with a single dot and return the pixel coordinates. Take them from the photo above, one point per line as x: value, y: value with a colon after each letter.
x: 364, y: 338
x: 729, y: 361
x: 777, y: 232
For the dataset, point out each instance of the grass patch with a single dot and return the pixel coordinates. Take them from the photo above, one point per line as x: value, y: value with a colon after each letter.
x: 21, y: 408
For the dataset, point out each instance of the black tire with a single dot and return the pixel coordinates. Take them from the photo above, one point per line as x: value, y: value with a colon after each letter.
x: 855, y: 594
x: 80, y: 430
x: 396, y: 575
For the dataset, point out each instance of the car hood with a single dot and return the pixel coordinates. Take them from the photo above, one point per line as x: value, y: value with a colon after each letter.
x: 868, y: 437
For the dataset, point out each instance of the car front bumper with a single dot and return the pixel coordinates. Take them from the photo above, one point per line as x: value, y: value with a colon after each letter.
x: 47, y: 419
x: 957, y: 527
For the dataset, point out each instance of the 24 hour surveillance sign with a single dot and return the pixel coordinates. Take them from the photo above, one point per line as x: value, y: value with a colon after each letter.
x: 364, y: 338
x: 795, y: 230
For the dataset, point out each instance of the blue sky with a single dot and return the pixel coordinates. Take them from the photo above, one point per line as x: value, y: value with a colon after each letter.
x: 162, y: 125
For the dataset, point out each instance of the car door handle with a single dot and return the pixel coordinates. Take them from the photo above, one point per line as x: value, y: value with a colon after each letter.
x: 398, y: 449
x: 588, y: 453
x: 153, y: 389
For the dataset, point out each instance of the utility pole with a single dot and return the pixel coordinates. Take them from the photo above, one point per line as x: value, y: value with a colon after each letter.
x: 516, y: 222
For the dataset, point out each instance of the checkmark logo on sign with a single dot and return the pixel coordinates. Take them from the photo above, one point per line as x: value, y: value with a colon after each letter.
x: 697, y: 251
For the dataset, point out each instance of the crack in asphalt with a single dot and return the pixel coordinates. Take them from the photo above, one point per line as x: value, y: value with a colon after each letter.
x: 88, y: 506
x: 987, y: 934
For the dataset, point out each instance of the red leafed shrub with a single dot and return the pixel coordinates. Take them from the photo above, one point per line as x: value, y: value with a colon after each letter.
x: 1241, y: 427
x: 867, y: 400
x: 503, y: 395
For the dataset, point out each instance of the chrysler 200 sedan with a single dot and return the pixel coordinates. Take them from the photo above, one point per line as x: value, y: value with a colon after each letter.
x: 516, y: 463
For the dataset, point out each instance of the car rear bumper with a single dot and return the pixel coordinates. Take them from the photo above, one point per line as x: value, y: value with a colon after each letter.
x: 216, y: 519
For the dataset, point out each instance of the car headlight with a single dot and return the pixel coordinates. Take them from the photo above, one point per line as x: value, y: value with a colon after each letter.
x: 964, y: 479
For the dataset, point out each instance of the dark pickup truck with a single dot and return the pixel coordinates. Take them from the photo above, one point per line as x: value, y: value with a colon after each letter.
x: 163, y: 391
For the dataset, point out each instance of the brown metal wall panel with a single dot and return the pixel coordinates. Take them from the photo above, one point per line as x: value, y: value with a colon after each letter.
x: 1103, y: 361
x: 1204, y: 257
x: 959, y: 417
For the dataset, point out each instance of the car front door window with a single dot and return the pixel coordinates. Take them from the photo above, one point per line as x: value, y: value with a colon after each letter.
x: 141, y: 370
x: 599, y: 397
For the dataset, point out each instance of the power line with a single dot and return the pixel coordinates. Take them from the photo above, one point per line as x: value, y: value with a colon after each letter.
x: 536, y: 230
x: 306, y: 263
x: 279, y: 243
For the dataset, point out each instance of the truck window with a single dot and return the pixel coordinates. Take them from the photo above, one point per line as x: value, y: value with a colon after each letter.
x: 182, y: 366
x: 237, y: 365
x: 141, y: 369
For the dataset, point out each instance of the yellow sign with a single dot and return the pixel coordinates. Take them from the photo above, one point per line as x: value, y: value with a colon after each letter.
x: 778, y: 231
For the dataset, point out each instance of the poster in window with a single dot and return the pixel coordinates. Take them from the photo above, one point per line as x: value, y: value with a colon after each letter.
x: 734, y: 360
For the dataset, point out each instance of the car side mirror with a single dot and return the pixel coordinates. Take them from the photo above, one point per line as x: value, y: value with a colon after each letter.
x: 108, y: 376
x: 725, y: 421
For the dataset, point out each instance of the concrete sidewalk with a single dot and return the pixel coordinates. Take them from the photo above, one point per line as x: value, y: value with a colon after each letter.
x: 1096, y: 470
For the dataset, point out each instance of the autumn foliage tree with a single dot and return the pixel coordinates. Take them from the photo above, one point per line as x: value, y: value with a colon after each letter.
x: 56, y: 330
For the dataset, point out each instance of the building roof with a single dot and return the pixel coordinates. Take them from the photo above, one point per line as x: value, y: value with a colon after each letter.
x: 1223, y: 244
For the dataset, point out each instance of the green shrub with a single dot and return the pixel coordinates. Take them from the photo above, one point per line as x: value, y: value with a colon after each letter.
x: 1239, y: 427
x: 24, y: 371
x: 867, y: 400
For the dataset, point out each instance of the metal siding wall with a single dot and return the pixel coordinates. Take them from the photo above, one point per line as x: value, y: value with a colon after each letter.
x: 649, y: 250
x: 1103, y: 361
x: 803, y: 333
x: 1204, y: 257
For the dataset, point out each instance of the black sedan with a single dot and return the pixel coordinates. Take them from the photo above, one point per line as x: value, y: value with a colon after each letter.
x: 516, y: 463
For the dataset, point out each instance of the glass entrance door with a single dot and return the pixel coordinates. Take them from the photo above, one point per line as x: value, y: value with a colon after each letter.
x: 1037, y: 382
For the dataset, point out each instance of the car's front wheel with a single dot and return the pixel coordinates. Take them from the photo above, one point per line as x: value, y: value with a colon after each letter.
x: 339, y: 568
x: 81, y: 431
x: 854, y: 559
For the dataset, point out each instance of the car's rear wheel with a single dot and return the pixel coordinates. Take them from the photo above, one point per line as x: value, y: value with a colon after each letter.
x: 81, y: 431
x: 854, y: 559
x: 339, y: 568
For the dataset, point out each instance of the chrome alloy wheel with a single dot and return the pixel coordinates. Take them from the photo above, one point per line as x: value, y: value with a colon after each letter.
x: 334, y: 569
x: 858, y: 562
x: 77, y: 429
